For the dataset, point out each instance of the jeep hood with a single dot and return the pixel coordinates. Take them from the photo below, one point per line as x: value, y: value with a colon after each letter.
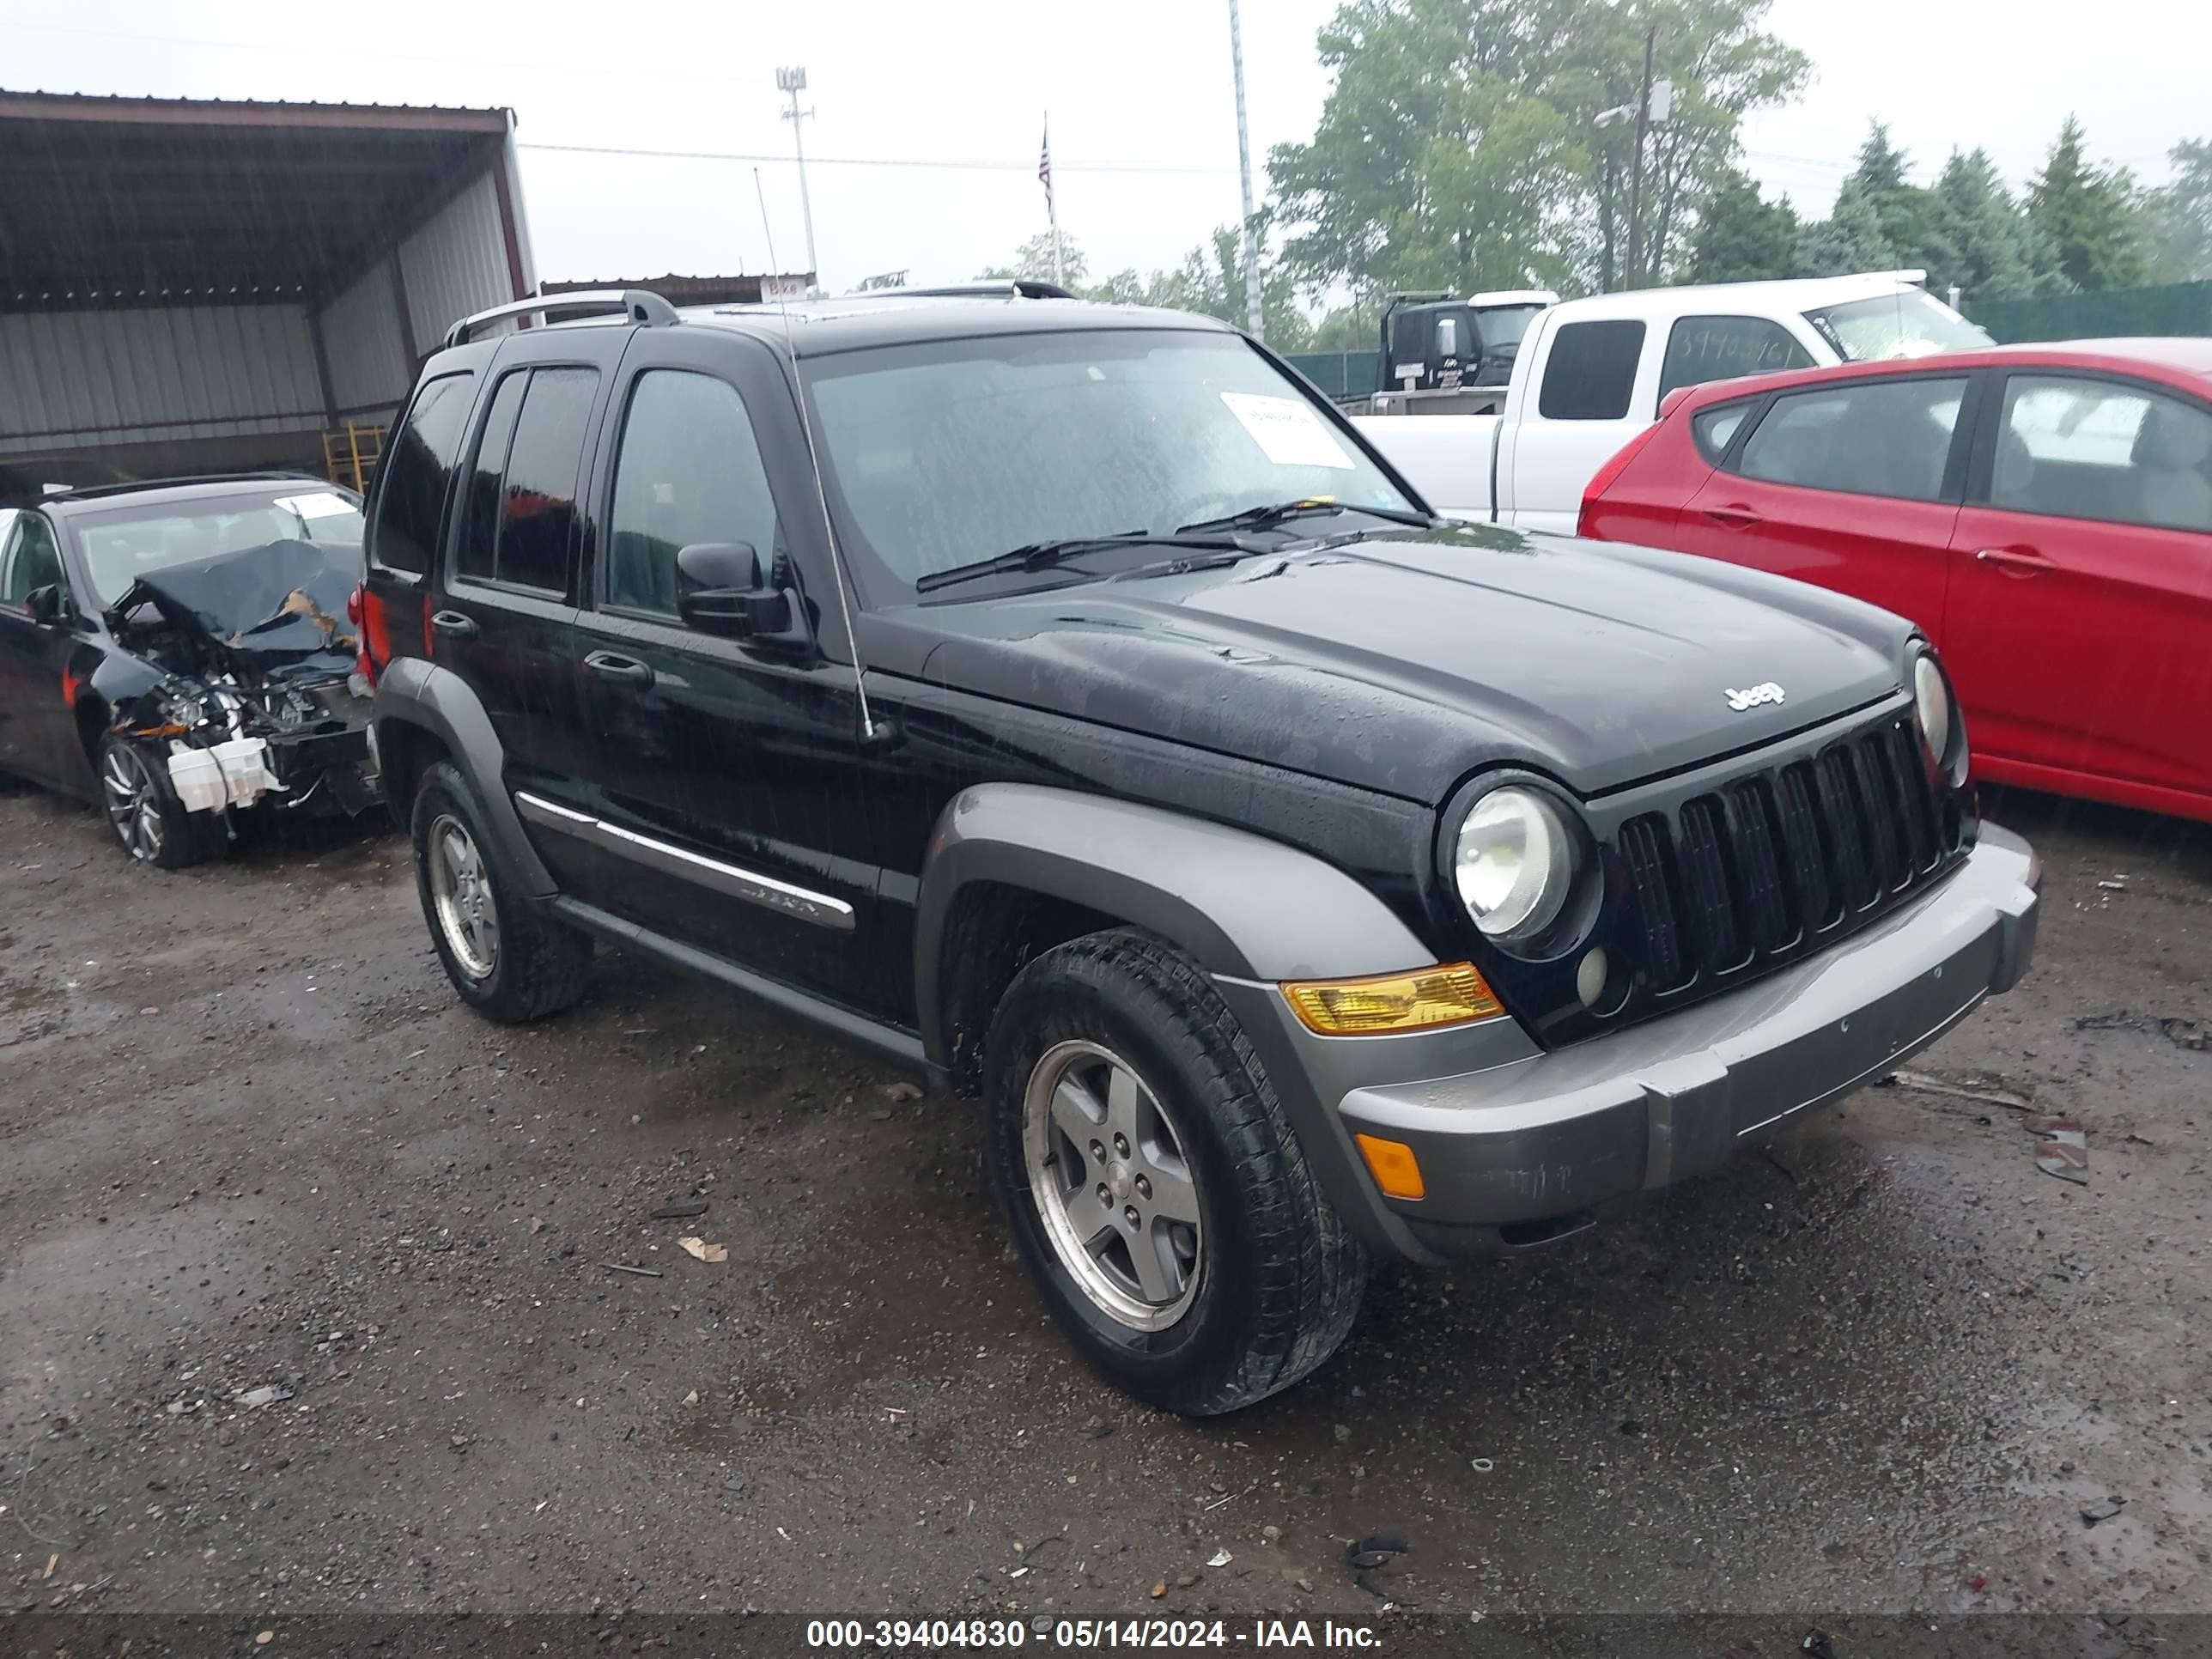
x: 256, y: 611
x: 1403, y: 663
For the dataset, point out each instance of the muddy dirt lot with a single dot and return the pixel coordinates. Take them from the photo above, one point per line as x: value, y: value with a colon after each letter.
x: 248, y: 1142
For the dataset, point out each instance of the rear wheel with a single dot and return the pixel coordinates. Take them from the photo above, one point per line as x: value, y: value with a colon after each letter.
x: 1155, y: 1190
x: 508, y: 960
x: 148, y: 821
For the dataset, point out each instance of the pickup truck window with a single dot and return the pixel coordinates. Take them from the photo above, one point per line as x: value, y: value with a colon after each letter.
x: 1702, y: 349
x: 1906, y: 323
x: 941, y: 453
x: 1591, y: 371
x: 1878, y: 437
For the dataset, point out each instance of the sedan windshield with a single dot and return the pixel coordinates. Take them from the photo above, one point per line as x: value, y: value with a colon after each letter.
x: 945, y: 453
x: 1911, y: 323
x: 129, y: 541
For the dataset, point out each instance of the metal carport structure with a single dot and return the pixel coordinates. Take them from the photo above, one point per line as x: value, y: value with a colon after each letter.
x: 188, y: 285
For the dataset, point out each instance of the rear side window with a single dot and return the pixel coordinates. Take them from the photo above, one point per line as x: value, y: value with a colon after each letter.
x: 1591, y: 371
x: 689, y: 470
x: 519, y: 516
x: 1716, y: 428
x: 2094, y: 449
x: 1702, y: 349
x: 1869, y: 437
x: 410, y: 494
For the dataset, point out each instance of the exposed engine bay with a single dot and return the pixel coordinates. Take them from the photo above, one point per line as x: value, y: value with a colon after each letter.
x: 259, y: 696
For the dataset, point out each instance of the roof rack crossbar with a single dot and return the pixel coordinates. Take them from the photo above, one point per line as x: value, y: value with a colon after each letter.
x: 1019, y: 288
x: 641, y: 305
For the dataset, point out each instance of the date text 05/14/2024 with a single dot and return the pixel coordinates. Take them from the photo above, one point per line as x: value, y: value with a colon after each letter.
x: 988, y: 1634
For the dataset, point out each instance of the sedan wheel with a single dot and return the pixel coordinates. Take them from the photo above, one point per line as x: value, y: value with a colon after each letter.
x: 133, y: 802
x: 461, y: 891
x: 1112, y: 1186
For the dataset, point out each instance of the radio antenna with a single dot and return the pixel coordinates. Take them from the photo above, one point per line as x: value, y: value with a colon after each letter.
x: 837, y: 571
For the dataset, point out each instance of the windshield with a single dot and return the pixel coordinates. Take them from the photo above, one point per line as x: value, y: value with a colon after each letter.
x: 129, y: 541
x: 944, y: 454
x: 1911, y: 323
x: 1504, y: 326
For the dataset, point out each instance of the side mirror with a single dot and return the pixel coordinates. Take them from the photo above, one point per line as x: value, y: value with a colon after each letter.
x: 719, y: 590
x: 48, y: 605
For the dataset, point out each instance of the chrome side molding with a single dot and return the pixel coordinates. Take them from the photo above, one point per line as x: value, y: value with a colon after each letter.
x: 753, y: 888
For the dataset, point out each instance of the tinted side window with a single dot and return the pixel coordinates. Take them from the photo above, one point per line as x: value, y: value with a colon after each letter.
x: 1870, y: 438
x: 537, y: 503
x: 688, y: 470
x: 2092, y: 449
x: 33, y: 561
x: 1714, y: 428
x: 1702, y: 349
x: 480, y: 509
x: 410, y: 494
x: 1591, y: 371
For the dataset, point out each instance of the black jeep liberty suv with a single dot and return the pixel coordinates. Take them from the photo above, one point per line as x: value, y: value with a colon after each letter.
x: 1065, y: 699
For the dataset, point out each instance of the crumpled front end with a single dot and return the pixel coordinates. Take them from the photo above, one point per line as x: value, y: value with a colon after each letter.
x: 257, y: 702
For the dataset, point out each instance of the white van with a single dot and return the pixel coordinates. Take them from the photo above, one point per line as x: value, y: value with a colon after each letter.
x: 1591, y: 373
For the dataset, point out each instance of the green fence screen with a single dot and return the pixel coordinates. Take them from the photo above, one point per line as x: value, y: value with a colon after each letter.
x: 2113, y: 314
x: 1339, y: 373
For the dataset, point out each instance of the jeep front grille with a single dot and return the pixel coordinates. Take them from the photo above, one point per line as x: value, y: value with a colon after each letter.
x: 1766, y: 866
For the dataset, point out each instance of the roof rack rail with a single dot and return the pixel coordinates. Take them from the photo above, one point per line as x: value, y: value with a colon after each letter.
x: 641, y: 305
x: 127, y: 486
x: 1019, y: 288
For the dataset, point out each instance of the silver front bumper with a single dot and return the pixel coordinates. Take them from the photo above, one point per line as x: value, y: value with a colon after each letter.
x: 1545, y: 1136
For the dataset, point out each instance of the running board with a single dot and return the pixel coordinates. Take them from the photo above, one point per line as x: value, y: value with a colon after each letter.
x: 893, y: 1042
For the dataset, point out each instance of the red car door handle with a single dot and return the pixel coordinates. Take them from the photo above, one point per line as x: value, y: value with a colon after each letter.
x: 1736, y: 517
x: 2012, y: 561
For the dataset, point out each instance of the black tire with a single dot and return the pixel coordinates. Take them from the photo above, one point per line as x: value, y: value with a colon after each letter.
x: 1279, y: 1279
x: 180, y: 838
x: 539, y: 966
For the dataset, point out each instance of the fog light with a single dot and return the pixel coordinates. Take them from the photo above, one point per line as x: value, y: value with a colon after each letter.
x: 1591, y: 977
x: 1394, y: 1166
x: 1449, y: 993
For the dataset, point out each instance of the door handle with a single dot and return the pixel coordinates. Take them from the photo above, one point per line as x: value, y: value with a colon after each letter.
x: 609, y: 667
x: 2012, y: 561
x: 453, y: 625
x: 1737, y: 518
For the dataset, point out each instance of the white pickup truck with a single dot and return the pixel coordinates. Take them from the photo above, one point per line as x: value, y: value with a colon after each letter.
x: 1591, y: 373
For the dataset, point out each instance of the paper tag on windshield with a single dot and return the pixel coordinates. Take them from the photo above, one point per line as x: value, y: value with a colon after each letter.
x: 320, y: 505
x: 1287, y: 430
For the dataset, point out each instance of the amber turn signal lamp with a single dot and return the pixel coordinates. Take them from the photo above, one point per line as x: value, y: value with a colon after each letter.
x: 1394, y: 1166
x: 1450, y: 993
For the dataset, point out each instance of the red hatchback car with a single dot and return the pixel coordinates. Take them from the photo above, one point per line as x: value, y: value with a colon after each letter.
x: 2045, y: 512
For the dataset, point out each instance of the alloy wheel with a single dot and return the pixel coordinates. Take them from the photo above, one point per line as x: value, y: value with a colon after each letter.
x: 134, y: 804
x: 460, y: 889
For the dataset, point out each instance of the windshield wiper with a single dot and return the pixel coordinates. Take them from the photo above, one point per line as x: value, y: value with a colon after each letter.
x: 1039, y: 555
x: 1265, y: 517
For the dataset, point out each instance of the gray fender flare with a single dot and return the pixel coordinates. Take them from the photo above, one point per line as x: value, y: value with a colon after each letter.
x: 1243, y: 906
x: 414, y: 692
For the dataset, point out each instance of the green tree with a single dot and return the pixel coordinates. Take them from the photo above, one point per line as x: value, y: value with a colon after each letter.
x: 1850, y: 238
x: 2091, y: 216
x: 1457, y: 147
x: 1033, y: 262
x: 1978, y: 239
x: 1210, y: 281
x: 2180, y: 215
x: 1900, y: 206
x: 1742, y: 237
x: 1347, y: 328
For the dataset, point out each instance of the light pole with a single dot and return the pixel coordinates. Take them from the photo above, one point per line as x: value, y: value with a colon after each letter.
x: 792, y: 82
x: 1654, y: 102
x: 1244, y: 167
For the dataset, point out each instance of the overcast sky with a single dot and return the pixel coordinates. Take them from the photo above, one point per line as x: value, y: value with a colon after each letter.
x: 1144, y: 132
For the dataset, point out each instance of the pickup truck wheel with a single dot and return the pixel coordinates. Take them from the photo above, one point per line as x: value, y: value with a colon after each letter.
x: 506, y: 958
x: 1154, y: 1190
x: 143, y: 813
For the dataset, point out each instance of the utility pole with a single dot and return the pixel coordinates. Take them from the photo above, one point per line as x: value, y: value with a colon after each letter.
x: 792, y: 82
x: 1252, y: 320
x: 1633, y: 276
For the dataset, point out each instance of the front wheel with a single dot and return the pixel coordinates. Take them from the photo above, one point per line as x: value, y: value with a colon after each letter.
x: 148, y: 821
x: 1155, y: 1191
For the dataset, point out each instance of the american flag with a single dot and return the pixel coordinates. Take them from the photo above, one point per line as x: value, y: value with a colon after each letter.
x: 1044, y: 163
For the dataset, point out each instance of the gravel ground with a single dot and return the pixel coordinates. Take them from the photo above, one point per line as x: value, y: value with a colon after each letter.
x: 248, y: 1141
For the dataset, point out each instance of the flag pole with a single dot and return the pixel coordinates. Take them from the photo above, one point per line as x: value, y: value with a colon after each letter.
x: 1051, y: 207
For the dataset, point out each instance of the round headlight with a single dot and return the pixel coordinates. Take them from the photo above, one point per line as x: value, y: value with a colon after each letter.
x: 1514, y: 862
x: 1931, y: 702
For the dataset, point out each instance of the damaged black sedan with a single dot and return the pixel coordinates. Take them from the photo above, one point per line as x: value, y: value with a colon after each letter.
x: 181, y: 653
